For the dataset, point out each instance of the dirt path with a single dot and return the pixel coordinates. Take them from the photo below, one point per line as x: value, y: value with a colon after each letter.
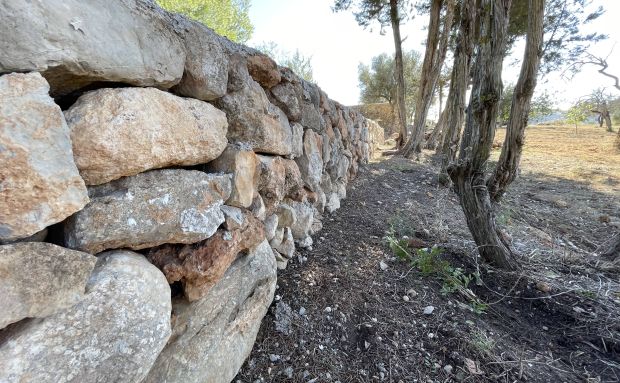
x: 352, y: 312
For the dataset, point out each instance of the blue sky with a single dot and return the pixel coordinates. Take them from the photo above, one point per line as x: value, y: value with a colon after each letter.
x: 337, y: 45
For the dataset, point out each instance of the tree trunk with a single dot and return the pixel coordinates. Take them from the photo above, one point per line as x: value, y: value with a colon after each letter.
x: 607, y: 117
x: 435, y: 136
x: 400, y: 76
x: 468, y: 173
x: 459, y: 79
x: 434, y: 56
x: 510, y: 157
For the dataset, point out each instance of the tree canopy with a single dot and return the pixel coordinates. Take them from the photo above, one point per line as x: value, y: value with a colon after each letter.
x: 377, y: 81
x: 228, y: 18
x: 563, y: 40
x: 296, y: 61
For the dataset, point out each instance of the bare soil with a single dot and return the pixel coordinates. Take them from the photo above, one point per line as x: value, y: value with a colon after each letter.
x: 350, y: 311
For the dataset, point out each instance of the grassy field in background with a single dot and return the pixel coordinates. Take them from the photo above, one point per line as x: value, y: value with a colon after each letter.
x: 587, y: 156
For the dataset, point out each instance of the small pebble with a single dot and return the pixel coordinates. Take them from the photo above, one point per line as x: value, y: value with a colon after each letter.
x: 428, y: 310
x: 405, y: 298
x: 447, y: 368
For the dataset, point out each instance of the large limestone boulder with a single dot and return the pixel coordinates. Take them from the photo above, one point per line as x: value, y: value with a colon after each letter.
x: 124, y: 131
x: 206, y: 63
x: 252, y: 119
x: 149, y: 209
x: 311, y: 162
x: 77, y: 42
x: 242, y: 163
x: 39, y: 182
x: 213, y: 336
x: 201, y: 265
x: 114, y: 334
x: 39, y: 279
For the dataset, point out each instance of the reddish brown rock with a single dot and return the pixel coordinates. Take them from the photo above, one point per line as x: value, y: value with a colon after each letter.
x: 264, y: 70
x: 201, y: 265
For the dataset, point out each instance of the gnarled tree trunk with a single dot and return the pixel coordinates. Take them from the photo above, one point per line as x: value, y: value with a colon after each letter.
x: 399, y: 71
x: 435, y: 136
x: 510, y: 157
x: 455, y: 108
x: 436, y: 47
x: 468, y: 173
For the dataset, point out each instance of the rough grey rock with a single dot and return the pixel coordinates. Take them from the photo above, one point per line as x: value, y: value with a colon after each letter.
x: 286, y: 98
x: 112, y: 335
x: 39, y: 182
x: 271, y: 225
x: 304, y: 216
x: 149, y: 209
x: 206, y: 63
x: 298, y: 140
x: 124, y: 131
x: 77, y: 42
x: 234, y: 218
x: 252, y: 119
x: 311, y: 162
x: 286, y: 246
x: 214, y: 335
x: 39, y: 279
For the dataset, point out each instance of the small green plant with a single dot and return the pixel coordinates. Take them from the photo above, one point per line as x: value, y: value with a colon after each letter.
x: 482, y: 342
x: 428, y: 261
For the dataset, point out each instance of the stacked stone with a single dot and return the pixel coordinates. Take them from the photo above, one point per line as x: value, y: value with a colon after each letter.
x: 180, y: 159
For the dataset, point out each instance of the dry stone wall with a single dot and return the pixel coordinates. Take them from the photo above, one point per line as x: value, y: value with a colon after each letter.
x: 142, y: 226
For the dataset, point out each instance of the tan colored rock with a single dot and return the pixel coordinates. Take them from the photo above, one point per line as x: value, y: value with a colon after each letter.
x: 252, y: 119
x: 149, y: 209
x: 271, y: 180
x: 212, y: 337
x: 60, y: 274
x: 74, y: 43
x: 294, y: 184
x: 264, y: 70
x: 39, y: 182
x: 201, y: 265
x: 258, y: 208
x: 287, y: 216
x: 124, y: 131
x: 113, y: 334
x: 242, y: 163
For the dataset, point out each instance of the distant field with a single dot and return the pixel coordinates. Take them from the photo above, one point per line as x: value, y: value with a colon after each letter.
x: 587, y: 156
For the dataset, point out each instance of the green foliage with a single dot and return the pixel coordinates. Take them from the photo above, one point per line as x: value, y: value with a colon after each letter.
x: 428, y: 261
x: 541, y: 105
x: 377, y: 81
x: 563, y: 39
x: 229, y: 18
x: 578, y: 113
x: 297, y: 62
x: 367, y: 12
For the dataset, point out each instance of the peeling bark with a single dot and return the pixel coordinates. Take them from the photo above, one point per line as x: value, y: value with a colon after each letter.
x: 434, y: 56
x: 510, y: 157
x: 455, y: 108
x: 468, y: 173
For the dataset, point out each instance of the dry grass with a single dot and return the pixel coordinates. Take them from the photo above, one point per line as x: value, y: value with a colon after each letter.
x: 588, y: 156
